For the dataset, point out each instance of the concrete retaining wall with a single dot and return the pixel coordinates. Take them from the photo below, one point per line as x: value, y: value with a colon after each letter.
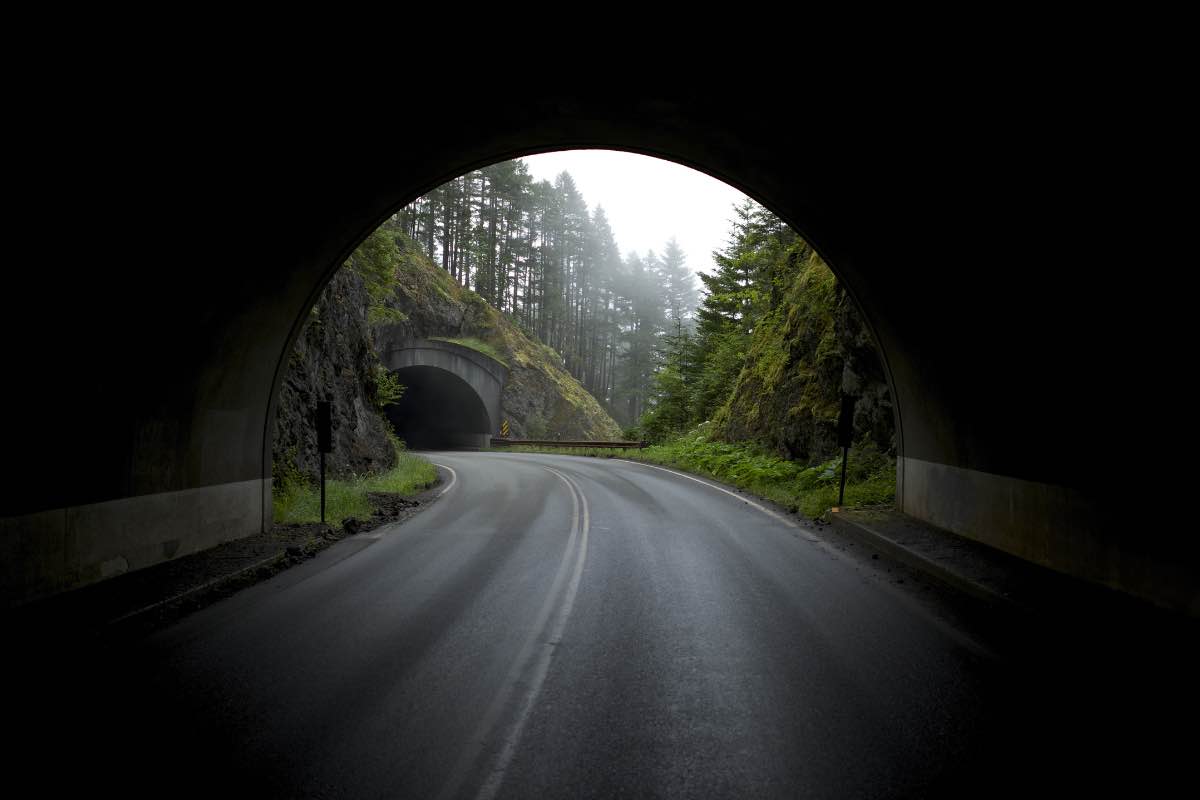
x: 52, y: 551
x: 1054, y: 526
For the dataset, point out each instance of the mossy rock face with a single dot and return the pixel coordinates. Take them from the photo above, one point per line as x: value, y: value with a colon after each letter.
x: 541, y: 399
x: 806, y: 350
x: 333, y: 358
x: 388, y: 281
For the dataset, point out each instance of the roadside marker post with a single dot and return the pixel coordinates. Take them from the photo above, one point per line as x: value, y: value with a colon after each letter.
x: 845, y: 437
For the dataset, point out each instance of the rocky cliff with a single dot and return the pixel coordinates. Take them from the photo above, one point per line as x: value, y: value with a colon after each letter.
x: 541, y: 400
x: 390, y: 282
x: 808, y: 348
x: 334, y: 359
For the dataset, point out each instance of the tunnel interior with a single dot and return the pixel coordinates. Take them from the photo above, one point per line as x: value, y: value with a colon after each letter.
x: 438, y: 410
x: 1000, y: 435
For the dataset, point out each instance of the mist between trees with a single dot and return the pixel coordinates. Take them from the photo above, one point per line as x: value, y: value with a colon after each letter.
x: 763, y: 352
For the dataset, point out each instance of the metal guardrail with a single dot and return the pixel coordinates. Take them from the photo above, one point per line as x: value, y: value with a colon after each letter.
x: 500, y: 442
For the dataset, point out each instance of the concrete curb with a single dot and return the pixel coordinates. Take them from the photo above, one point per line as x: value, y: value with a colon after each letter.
x: 213, y: 584
x: 862, y: 533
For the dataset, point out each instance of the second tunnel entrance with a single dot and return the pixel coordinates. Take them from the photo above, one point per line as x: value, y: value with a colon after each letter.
x: 452, y: 393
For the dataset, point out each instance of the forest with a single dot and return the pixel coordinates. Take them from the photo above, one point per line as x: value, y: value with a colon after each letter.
x: 760, y: 351
x: 537, y: 253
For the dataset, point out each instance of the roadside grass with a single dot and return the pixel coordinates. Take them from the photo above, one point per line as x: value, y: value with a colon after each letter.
x: 298, y: 501
x: 810, y: 490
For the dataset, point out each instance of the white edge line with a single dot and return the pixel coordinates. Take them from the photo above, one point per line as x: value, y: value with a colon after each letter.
x: 751, y: 503
x: 453, y: 477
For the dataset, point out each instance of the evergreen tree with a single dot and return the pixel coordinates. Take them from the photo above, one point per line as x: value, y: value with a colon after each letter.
x: 672, y: 397
x: 642, y: 324
x: 736, y: 296
x: 678, y: 285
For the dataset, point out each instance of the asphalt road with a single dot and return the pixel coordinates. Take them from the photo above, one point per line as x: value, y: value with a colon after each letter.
x: 567, y: 627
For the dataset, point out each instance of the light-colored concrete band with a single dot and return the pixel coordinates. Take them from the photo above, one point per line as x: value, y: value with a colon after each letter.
x: 1054, y: 526
x: 52, y: 551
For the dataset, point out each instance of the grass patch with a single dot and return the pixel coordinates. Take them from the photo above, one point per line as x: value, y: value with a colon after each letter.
x: 811, y: 490
x: 478, y: 345
x: 299, y: 501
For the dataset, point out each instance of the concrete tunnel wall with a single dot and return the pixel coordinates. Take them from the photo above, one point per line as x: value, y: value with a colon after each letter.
x: 1001, y: 435
x: 452, y: 396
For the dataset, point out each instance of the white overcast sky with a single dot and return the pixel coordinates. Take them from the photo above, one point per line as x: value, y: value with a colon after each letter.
x: 648, y: 200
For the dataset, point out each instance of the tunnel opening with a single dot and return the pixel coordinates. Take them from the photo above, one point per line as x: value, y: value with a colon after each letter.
x: 510, y: 253
x: 438, y: 410
x: 542, y: 248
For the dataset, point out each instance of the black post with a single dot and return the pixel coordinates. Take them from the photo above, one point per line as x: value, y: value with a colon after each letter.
x: 841, y: 491
x: 324, y: 443
x: 845, y: 437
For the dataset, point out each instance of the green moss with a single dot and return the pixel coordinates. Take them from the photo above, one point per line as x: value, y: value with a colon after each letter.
x: 478, y: 345
x: 385, y: 315
x: 786, y: 395
x: 490, y: 332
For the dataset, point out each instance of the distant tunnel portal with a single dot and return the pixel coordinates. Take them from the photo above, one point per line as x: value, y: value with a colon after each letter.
x: 452, y: 395
x: 439, y: 410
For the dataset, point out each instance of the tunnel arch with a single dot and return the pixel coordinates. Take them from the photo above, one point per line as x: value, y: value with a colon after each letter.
x: 452, y: 393
x: 992, y: 382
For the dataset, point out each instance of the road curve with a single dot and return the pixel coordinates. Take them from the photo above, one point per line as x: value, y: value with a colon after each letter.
x: 556, y: 627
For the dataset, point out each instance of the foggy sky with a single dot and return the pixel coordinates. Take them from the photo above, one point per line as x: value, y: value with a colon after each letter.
x: 648, y: 200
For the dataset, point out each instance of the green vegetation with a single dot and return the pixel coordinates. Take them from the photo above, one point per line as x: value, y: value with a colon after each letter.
x: 478, y: 345
x: 375, y: 260
x: 297, y: 500
x: 743, y: 385
x: 535, y: 252
x: 775, y: 342
x: 810, y: 490
x: 787, y: 395
x: 388, y: 388
x: 435, y: 301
